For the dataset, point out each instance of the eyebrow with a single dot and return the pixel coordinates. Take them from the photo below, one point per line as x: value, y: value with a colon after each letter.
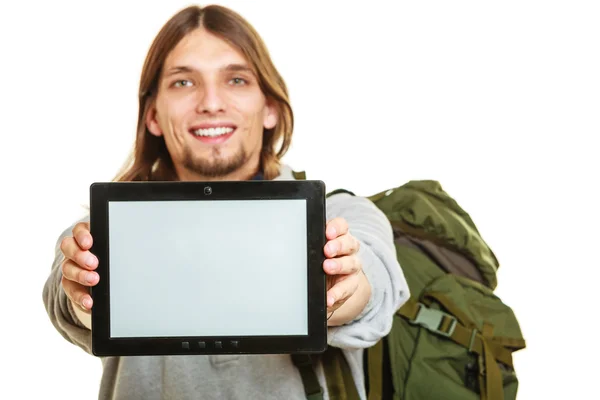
x: 238, y: 68
x: 229, y: 68
x: 177, y: 70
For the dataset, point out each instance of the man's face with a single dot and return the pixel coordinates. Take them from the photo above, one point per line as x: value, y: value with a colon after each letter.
x: 210, y: 110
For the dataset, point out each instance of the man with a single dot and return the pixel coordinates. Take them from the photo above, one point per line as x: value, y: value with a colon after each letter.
x: 213, y: 107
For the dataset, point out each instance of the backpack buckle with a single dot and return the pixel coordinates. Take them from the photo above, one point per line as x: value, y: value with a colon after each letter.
x: 435, y: 320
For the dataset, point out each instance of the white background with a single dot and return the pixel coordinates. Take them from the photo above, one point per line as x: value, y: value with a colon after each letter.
x: 498, y: 101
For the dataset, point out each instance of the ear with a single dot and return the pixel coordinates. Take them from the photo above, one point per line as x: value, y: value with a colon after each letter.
x: 152, y: 123
x: 271, y: 116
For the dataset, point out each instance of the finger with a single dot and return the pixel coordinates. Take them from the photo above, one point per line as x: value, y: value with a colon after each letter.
x: 342, y: 290
x: 81, y: 233
x: 334, y: 307
x: 342, y: 265
x: 336, y: 227
x: 342, y: 246
x: 72, y: 251
x: 75, y: 273
x: 78, y: 294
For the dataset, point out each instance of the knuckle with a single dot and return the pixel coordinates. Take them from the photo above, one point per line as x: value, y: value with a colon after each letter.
x: 67, y: 288
x: 64, y: 244
x: 73, y: 291
x: 348, y: 265
x: 342, y: 224
x: 358, y: 263
x: 351, y: 244
x: 81, y: 228
x: 339, y: 223
x: 64, y: 267
x: 355, y: 265
x: 80, y: 296
x: 81, y: 276
x: 80, y: 258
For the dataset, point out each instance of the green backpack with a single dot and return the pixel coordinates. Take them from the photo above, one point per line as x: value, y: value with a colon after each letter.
x: 454, y: 338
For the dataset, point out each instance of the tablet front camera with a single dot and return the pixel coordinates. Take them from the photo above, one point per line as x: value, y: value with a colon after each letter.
x: 207, y: 190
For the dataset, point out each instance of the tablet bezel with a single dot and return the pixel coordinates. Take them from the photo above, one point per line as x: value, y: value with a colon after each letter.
x: 101, y: 193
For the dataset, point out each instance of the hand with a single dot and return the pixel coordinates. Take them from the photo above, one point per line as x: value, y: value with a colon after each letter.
x: 342, y: 266
x: 78, y: 266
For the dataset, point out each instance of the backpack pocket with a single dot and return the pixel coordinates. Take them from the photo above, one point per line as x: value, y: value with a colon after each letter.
x: 455, y: 342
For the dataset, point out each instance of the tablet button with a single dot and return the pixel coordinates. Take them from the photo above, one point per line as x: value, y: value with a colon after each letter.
x: 219, y: 345
x: 202, y: 345
x: 185, y: 345
x: 235, y: 344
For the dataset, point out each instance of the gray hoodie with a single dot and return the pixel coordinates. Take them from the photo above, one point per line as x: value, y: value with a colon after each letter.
x: 251, y: 376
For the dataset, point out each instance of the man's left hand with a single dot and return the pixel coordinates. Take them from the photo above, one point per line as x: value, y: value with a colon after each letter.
x: 342, y: 265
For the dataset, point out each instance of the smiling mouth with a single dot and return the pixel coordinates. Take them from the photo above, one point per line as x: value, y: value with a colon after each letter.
x: 213, y: 132
x: 213, y: 135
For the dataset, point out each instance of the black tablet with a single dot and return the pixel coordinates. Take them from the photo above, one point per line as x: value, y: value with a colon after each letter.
x: 208, y: 267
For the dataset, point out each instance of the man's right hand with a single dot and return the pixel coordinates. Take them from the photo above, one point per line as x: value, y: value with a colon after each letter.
x: 78, y: 266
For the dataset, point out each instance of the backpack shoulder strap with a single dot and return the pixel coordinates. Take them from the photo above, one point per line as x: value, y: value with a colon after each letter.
x: 299, y: 175
x: 374, y: 373
x: 305, y: 365
x: 340, y: 383
x: 338, y: 191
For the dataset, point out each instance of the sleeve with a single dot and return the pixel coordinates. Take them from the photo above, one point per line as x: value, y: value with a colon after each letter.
x: 389, y: 289
x: 59, y: 307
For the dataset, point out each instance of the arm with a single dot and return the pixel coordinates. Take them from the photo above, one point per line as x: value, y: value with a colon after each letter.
x: 72, y: 323
x: 382, y: 289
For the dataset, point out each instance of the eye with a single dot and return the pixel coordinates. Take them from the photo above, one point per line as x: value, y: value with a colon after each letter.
x: 238, y: 81
x: 182, y: 83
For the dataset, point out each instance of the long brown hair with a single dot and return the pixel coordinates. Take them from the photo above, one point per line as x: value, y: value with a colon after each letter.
x: 150, y: 159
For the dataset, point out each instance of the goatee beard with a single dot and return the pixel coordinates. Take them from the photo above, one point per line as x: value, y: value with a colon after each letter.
x: 215, y: 166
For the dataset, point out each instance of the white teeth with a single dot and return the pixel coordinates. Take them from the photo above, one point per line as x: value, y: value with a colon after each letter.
x: 213, y: 131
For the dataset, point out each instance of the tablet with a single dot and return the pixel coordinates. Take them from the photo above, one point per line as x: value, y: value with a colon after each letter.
x: 208, y: 267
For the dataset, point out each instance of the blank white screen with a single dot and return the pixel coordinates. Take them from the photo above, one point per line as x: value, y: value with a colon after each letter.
x: 208, y: 268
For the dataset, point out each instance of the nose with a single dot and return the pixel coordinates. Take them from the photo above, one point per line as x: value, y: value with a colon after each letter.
x: 210, y: 99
